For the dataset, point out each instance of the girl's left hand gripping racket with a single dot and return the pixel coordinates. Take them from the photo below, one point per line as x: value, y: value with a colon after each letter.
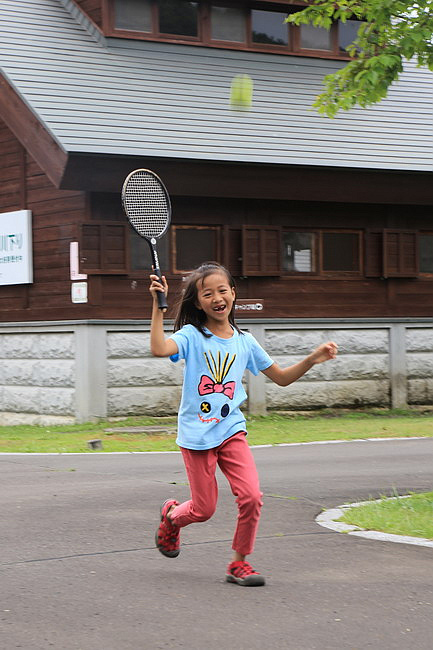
x: 147, y: 205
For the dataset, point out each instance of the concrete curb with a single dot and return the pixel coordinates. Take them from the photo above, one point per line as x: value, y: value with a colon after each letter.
x: 329, y: 518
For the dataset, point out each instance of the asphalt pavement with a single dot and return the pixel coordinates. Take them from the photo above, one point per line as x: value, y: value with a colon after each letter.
x: 79, y: 570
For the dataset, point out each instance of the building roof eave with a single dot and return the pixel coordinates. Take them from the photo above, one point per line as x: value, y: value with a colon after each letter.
x: 31, y: 132
x: 189, y: 177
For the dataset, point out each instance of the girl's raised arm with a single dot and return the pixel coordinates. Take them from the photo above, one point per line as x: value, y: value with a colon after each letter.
x: 286, y: 376
x: 159, y: 345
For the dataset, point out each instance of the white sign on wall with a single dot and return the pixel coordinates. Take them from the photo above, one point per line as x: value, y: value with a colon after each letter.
x: 16, y: 258
x: 79, y: 292
x: 74, y: 263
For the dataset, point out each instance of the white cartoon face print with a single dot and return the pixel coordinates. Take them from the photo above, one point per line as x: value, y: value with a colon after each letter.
x: 218, y: 394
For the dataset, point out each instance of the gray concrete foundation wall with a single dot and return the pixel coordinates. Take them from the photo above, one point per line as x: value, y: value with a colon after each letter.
x: 84, y: 370
x: 37, y: 376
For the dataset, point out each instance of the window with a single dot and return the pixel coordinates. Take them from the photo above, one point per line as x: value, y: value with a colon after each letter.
x: 347, y: 32
x: 178, y: 17
x: 299, y: 252
x: 133, y: 14
x: 154, y: 17
x: 265, y: 250
x: 244, y: 24
x: 269, y: 27
x: 193, y: 245
x: 321, y: 252
x: 341, y: 252
x: 315, y: 38
x: 228, y: 24
x: 425, y: 253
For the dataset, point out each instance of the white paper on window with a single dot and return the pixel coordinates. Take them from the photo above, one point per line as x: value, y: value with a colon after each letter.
x: 302, y: 261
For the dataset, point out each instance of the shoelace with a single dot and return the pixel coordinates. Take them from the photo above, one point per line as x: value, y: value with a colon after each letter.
x: 243, y: 569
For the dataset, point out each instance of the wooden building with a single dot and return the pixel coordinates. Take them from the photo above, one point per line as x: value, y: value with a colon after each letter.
x: 316, y: 218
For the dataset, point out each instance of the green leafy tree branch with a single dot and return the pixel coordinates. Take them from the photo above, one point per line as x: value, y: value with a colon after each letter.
x: 390, y: 32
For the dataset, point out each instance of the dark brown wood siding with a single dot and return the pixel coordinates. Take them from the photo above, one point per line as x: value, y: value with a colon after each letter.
x: 56, y: 215
x: 61, y: 216
x: 12, y: 197
x: 400, y: 254
x: 287, y: 296
x: 11, y: 171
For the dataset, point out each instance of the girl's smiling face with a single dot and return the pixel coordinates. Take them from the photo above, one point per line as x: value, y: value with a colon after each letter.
x: 215, y: 296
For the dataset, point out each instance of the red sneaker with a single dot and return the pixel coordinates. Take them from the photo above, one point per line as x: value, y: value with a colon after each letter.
x: 243, y: 574
x: 167, y: 537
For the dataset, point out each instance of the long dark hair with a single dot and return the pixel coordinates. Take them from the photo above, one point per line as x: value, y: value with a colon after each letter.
x: 187, y: 310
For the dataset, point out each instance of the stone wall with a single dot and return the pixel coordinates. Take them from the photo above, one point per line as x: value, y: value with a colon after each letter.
x: 77, y: 372
x: 358, y: 377
x: 137, y: 382
x: 419, y: 355
x: 37, y: 377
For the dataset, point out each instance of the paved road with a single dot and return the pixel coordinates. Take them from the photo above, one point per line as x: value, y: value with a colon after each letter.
x: 79, y: 571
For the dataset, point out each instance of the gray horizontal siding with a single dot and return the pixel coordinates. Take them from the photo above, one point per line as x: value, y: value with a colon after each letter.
x: 140, y: 98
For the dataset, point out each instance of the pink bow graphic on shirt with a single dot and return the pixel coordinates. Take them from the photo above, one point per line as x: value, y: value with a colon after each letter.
x: 207, y: 386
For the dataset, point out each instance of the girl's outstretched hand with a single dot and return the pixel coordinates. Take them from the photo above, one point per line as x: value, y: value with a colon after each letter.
x: 157, y: 285
x: 324, y: 352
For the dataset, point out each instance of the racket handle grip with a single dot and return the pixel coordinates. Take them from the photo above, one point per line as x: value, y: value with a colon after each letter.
x: 162, y: 298
x: 162, y: 301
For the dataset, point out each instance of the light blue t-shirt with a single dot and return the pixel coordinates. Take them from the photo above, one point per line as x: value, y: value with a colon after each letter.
x: 212, y: 393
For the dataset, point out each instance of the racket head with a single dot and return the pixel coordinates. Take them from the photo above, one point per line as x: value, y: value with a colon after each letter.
x: 146, y: 203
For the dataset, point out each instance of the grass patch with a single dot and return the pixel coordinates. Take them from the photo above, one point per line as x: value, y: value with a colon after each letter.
x: 277, y: 429
x: 73, y: 438
x: 412, y: 515
x: 271, y: 429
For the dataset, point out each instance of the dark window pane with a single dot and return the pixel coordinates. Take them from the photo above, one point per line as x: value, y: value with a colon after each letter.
x: 194, y: 246
x: 178, y: 17
x: 340, y: 251
x: 228, y: 24
x: 133, y: 14
x: 141, y: 259
x: 426, y: 253
x: 269, y: 27
x: 298, y: 252
x: 347, y: 33
x: 315, y: 38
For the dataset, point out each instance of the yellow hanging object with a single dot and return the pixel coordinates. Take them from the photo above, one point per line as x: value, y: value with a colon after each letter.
x: 241, y: 93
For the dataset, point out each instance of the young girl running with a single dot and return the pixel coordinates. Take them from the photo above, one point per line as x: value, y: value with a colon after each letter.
x: 211, y: 427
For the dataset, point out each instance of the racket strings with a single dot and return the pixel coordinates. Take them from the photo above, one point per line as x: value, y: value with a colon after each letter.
x: 146, y: 205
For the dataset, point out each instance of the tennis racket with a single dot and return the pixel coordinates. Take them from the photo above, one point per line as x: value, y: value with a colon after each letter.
x: 147, y: 206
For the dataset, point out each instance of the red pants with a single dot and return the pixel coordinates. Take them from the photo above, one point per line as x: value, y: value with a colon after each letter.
x: 236, y: 461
